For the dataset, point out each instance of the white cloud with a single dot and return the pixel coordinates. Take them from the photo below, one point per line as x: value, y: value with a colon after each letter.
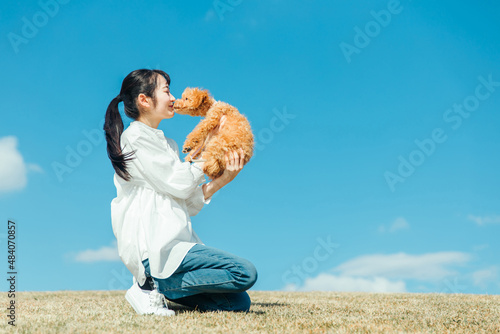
x: 328, y: 282
x: 104, y: 253
x: 398, y: 224
x: 387, y: 273
x: 34, y: 168
x: 427, y: 267
x: 484, y: 220
x: 481, y: 247
x: 13, y: 170
x: 482, y: 278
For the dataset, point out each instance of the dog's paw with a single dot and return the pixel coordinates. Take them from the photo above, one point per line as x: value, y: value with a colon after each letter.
x: 188, y: 147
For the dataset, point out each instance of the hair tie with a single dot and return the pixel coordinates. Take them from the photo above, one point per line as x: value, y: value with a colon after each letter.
x: 119, y: 98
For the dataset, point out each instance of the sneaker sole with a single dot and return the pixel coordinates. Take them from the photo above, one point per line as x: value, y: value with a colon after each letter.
x: 132, y: 302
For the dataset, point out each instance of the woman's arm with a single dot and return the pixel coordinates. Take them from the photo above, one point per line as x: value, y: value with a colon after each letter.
x: 234, y: 165
x: 159, y: 167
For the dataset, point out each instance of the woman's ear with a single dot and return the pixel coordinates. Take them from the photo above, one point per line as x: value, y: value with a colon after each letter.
x: 143, y: 101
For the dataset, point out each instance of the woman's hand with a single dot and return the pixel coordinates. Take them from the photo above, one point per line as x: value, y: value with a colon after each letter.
x: 234, y: 164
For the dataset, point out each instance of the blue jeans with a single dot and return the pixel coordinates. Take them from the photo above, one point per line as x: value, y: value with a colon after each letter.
x: 209, y: 279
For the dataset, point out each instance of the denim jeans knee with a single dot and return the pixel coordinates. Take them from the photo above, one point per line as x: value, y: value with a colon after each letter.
x: 207, y: 270
x: 249, y: 275
x: 242, y: 302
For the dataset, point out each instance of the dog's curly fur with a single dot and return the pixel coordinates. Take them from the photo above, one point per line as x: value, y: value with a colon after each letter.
x: 235, y: 134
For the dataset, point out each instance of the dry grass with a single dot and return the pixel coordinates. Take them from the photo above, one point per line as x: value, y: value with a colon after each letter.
x: 271, y: 312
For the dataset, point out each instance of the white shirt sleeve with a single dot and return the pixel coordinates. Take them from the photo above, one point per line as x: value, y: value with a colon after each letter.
x: 196, y: 201
x: 156, y: 163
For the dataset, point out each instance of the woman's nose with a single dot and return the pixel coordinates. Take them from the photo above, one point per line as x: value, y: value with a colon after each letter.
x: 172, y: 98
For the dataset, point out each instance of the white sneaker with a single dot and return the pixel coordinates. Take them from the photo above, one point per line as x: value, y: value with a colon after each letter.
x: 147, y: 302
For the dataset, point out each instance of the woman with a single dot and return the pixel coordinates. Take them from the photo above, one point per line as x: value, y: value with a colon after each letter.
x: 156, y: 195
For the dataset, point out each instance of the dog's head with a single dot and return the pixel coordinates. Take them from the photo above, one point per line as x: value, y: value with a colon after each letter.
x: 194, y: 102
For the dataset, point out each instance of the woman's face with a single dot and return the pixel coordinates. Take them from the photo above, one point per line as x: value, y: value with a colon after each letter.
x: 164, y: 100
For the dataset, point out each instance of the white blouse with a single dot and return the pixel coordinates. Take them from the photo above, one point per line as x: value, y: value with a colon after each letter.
x: 151, y: 212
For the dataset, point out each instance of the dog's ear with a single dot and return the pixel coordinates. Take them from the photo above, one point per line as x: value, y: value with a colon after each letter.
x: 201, y: 96
x: 204, y: 99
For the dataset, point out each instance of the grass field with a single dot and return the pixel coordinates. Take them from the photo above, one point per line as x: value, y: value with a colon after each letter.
x: 271, y: 312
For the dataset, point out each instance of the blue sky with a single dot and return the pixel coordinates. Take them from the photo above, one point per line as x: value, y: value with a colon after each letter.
x: 376, y: 167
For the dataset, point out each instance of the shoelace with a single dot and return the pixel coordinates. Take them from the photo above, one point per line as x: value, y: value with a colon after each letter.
x: 157, y: 299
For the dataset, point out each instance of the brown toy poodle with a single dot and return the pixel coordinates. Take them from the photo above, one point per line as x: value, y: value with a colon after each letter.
x: 207, y: 139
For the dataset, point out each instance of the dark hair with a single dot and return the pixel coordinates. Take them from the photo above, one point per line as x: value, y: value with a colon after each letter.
x: 137, y: 82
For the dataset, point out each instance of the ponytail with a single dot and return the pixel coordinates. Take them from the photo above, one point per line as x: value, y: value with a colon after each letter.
x: 113, y: 127
x: 137, y: 82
